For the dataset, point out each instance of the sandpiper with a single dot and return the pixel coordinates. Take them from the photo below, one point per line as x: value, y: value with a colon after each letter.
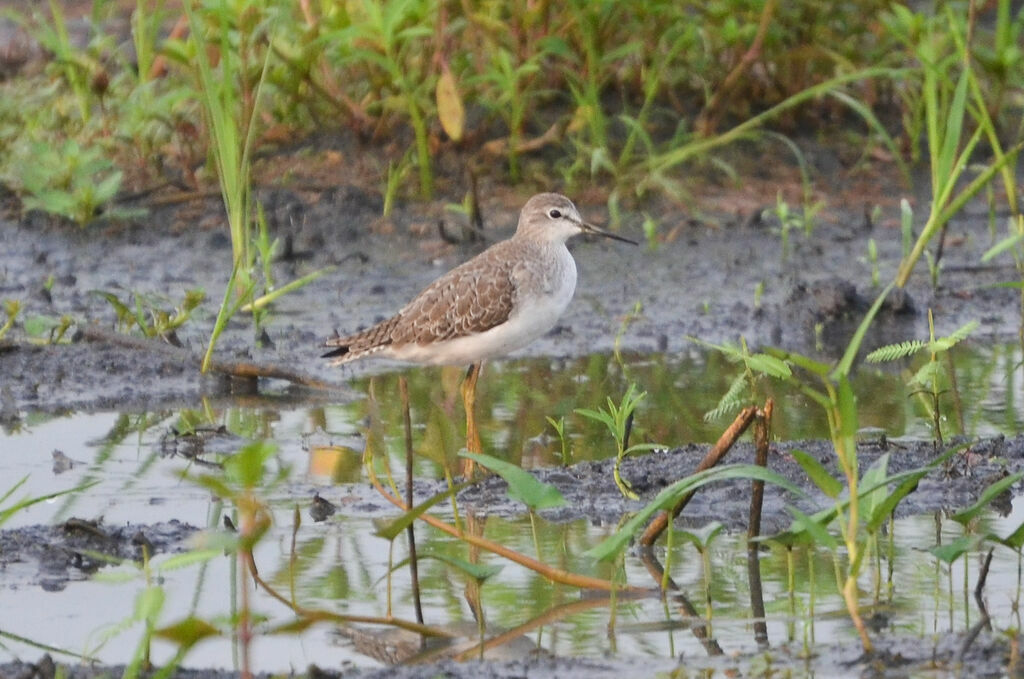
x: 499, y: 301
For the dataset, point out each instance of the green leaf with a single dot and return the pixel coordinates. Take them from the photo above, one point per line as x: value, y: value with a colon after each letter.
x: 392, y: 529
x: 7, y: 513
x: 1015, y: 539
x: 800, y: 361
x: 668, y: 497
x: 703, y: 536
x: 599, y: 416
x: 478, y: 571
x: 246, y: 466
x: 188, y: 632
x: 768, y: 365
x: 952, y: 137
x: 522, y: 485
x: 876, y: 479
x: 149, y: 603
x: 989, y: 494
x: 853, y: 348
x: 814, y: 527
x: 893, y: 352
x: 880, y: 512
x: 39, y: 325
x: 954, y: 550
x: 818, y: 474
x: 1002, y: 246
x: 189, y: 558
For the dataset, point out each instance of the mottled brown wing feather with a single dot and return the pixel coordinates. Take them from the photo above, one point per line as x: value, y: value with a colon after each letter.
x: 471, y: 298
x: 351, y: 347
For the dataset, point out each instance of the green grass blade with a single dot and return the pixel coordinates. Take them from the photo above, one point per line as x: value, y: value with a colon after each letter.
x: 667, y: 498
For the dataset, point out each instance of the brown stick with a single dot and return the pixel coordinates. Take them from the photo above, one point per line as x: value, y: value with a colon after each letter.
x: 95, y: 333
x: 707, y: 120
x: 762, y: 437
x: 658, y: 524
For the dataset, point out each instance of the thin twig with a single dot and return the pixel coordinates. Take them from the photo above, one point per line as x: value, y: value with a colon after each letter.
x: 95, y: 333
x: 318, y: 615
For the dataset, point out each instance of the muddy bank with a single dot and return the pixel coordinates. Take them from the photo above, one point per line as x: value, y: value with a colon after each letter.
x: 987, y: 655
x: 717, y: 275
x: 52, y: 556
x: 590, y: 490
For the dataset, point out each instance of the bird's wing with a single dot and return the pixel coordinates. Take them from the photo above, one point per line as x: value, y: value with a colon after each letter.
x: 471, y: 298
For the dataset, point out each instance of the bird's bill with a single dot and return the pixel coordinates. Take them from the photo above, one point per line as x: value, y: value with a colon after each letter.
x: 590, y: 228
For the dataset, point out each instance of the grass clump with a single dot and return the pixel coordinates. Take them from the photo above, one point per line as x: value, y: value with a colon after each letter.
x: 620, y: 92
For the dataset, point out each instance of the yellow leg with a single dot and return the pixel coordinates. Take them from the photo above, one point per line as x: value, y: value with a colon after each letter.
x: 469, y: 403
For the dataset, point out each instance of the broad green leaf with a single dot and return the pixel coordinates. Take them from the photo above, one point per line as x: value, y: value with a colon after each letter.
x: 522, y: 485
x: 477, y: 571
x: 668, y: 497
x: 818, y: 474
x: 246, y: 466
x: 880, y: 512
x: 989, y: 494
x: 186, y: 633
x: 392, y: 529
x: 768, y: 365
x: 189, y: 558
x: 1015, y: 539
x: 702, y: 537
x: 814, y: 527
x: 875, y: 478
x: 38, y: 325
x: 951, y: 138
x: 954, y: 550
x: 800, y: 361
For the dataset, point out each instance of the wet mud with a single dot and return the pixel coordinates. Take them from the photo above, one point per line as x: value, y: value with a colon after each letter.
x: 715, y: 273
x: 983, y: 655
x: 52, y: 556
x: 718, y: 278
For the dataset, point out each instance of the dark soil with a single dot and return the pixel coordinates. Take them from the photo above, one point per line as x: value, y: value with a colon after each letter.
x: 698, y: 280
x: 987, y: 655
x: 76, y: 549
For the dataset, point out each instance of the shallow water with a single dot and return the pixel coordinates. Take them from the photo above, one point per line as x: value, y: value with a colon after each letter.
x: 341, y: 566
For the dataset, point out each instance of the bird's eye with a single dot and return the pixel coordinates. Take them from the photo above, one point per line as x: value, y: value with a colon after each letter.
x: 555, y: 213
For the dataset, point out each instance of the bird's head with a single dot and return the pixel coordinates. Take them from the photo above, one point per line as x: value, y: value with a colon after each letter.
x: 553, y: 217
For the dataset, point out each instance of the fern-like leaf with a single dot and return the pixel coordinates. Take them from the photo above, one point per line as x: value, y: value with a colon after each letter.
x: 730, y: 402
x: 928, y: 375
x: 892, y: 352
x: 949, y: 341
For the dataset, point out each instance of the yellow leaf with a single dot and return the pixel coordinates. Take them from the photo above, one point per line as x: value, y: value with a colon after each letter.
x: 449, y: 105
